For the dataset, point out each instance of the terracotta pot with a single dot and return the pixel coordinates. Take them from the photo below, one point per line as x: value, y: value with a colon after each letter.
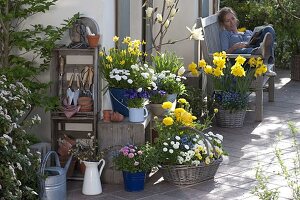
x: 107, y: 115
x: 116, y: 117
x: 93, y: 40
x: 84, y: 101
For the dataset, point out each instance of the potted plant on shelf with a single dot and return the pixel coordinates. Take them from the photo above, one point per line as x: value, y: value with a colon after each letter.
x: 156, y: 99
x: 187, y: 155
x: 135, y: 162
x: 123, y: 69
x: 136, y: 104
x: 88, y: 152
x: 232, y: 85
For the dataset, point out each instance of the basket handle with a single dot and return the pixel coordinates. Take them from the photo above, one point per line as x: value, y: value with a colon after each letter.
x: 206, y: 140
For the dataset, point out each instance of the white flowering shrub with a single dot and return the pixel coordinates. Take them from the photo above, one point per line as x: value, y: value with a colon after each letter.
x: 18, y: 167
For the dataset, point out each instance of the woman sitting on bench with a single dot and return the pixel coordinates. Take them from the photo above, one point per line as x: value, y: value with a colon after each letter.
x: 249, y: 42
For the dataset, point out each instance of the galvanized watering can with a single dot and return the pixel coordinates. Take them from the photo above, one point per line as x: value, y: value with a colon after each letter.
x: 54, y: 186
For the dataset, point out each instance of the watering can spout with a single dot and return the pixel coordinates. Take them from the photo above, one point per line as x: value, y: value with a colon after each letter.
x: 68, y: 164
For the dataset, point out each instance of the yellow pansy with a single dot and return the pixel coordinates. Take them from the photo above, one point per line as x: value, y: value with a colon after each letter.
x: 182, y: 100
x: 115, y: 38
x: 208, y: 69
x: 192, y: 66
x: 240, y: 59
x: 168, y: 121
x: 202, y: 63
x: 167, y: 105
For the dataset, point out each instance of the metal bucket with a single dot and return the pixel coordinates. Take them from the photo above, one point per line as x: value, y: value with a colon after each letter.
x: 53, y: 187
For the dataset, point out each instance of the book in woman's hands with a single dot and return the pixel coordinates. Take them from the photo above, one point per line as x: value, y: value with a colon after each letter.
x: 255, y: 35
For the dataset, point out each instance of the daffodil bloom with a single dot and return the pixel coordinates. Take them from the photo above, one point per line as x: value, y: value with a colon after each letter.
x: 109, y: 59
x: 168, y: 121
x: 196, y: 33
x: 242, y: 29
x: 115, y: 38
x: 127, y: 40
x: 208, y: 69
x: 202, y: 63
x: 217, y: 72
x: 194, y: 72
x: 241, y: 60
x: 192, y: 66
x: 167, y: 105
x: 238, y: 70
x: 149, y: 11
x: 182, y: 100
x: 252, y: 62
x: 219, y: 62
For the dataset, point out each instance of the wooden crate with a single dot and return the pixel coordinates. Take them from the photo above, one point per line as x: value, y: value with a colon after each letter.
x: 114, y: 135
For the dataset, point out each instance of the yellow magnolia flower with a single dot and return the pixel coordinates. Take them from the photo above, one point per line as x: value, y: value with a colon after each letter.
x: 217, y: 72
x: 168, y: 121
x: 115, y: 38
x: 167, y: 105
x: 238, y: 70
x: 202, y: 63
x: 109, y: 58
x: 240, y: 59
x: 208, y: 69
x: 182, y: 100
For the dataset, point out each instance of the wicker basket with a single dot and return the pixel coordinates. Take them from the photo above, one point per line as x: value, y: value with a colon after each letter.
x: 228, y: 119
x: 186, y: 175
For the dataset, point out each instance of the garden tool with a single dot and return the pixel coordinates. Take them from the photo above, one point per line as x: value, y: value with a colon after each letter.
x: 70, y: 93
x: 61, y: 74
x: 77, y: 91
x: 90, y: 81
x: 84, y: 75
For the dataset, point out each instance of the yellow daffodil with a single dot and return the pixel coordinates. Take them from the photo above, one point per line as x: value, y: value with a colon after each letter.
x: 242, y: 29
x: 217, y: 72
x: 168, y: 121
x: 192, y: 66
x: 167, y: 105
x: 122, y: 62
x: 109, y: 59
x: 195, y: 72
x: 252, y: 62
x: 240, y: 59
x: 238, y: 70
x: 219, y: 62
x: 127, y: 40
x: 115, y: 38
x: 208, y: 69
x: 202, y: 63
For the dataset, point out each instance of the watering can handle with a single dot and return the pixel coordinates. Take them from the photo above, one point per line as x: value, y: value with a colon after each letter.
x: 42, y: 169
x: 102, y: 166
x: 68, y: 163
x: 146, y: 112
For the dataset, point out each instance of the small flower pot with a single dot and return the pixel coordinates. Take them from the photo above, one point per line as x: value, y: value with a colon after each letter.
x: 107, y: 115
x: 93, y: 40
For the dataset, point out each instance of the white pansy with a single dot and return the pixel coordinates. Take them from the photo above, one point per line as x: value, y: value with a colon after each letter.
x: 139, y: 90
x: 178, y: 79
x: 171, y: 151
x: 196, y: 33
x: 167, y: 23
x: 129, y: 81
x: 166, y: 144
x: 172, y: 142
x: 159, y: 18
x: 118, y: 77
x: 177, y: 137
x: 173, y: 12
x: 149, y: 12
x: 165, y: 149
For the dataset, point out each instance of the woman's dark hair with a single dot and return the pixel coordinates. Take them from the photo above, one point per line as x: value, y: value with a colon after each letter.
x: 223, y: 12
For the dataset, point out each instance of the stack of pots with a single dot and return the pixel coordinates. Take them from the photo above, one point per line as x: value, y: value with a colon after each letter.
x: 86, y: 104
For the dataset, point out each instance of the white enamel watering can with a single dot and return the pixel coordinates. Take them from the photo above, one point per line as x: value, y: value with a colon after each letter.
x: 91, y: 182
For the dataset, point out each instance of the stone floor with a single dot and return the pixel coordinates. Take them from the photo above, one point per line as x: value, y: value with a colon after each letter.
x: 248, y: 147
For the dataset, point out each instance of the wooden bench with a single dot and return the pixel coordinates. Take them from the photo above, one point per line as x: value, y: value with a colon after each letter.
x: 211, y: 44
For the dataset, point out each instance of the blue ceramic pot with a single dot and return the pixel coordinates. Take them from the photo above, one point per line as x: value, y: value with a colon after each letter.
x: 134, y: 182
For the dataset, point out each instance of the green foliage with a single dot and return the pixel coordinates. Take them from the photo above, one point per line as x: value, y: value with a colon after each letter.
x: 35, y: 43
x: 253, y: 13
x: 197, y: 104
x: 132, y: 158
x: 167, y: 61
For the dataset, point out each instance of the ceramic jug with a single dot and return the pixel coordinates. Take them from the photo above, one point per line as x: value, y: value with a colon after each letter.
x: 137, y: 114
x: 91, y: 182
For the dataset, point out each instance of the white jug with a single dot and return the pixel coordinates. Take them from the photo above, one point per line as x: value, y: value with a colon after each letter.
x: 91, y: 182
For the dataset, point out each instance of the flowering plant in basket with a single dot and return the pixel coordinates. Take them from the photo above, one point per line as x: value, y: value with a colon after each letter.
x: 179, y: 142
x: 132, y: 158
x: 122, y: 67
x: 231, y: 81
x: 87, y: 149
